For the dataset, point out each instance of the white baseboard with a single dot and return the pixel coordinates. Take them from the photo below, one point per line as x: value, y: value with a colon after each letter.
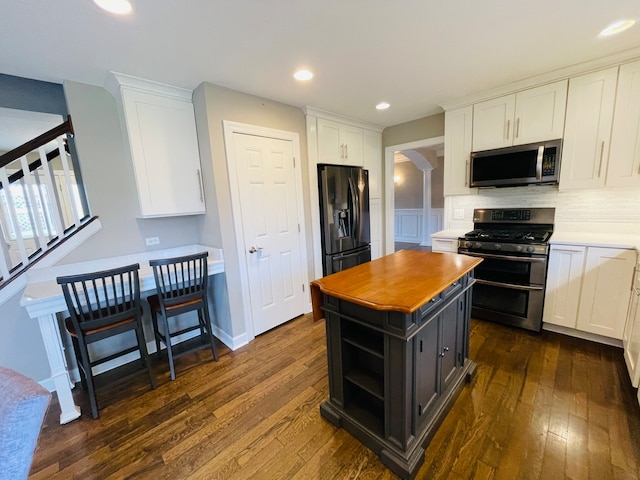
x: 74, y: 374
x: 583, y: 335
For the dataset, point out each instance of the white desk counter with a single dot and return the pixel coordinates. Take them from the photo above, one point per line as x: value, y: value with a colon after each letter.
x: 43, y: 300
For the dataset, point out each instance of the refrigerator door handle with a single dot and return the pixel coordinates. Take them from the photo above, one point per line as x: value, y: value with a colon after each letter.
x: 355, y: 206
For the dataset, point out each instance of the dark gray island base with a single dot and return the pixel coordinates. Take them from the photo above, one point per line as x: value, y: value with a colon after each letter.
x: 394, y: 374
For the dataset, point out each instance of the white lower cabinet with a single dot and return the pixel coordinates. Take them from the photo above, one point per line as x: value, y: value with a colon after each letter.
x: 566, y: 263
x: 588, y: 288
x: 444, y: 244
x: 631, y: 337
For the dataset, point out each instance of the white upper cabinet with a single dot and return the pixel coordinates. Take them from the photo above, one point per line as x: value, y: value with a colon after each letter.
x: 373, y: 161
x: 585, y: 151
x: 624, y: 156
x: 529, y: 116
x: 161, y: 133
x: 457, y: 150
x: 340, y: 143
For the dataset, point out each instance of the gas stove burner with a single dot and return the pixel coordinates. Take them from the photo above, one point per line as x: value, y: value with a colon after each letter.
x: 513, y: 236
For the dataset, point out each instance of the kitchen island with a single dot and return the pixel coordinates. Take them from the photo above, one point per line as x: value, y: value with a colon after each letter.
x: 397, y: 348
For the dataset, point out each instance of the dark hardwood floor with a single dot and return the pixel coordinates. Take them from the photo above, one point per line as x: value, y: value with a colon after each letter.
x: 541, y: 406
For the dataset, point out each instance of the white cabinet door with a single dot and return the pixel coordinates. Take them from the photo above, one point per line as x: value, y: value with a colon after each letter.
x: 585, y: 151
x: 606, y: 285
x: 164, y: 147
x: 562, y: 295
x: 339, y: 143
x: 624, y: 157
x: 493, y: 123
x: 353, y: 140
x: 631, y: 337
x: 373, y: 161
x: 533, y: 115
x: 539, y: 113
x: 457, y: 149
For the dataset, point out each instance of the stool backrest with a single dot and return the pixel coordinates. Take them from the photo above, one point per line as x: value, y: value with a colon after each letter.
x: 99, y: 299
x: 180, y: 279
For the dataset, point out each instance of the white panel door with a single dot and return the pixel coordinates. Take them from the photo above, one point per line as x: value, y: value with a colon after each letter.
x: 268, y: 202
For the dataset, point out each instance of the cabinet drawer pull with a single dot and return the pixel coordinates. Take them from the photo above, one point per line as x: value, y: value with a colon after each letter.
x: 508, y: 128
x: 517, y: 129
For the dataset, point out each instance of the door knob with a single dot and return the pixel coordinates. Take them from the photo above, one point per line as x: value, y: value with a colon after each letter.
x: 254, y: 249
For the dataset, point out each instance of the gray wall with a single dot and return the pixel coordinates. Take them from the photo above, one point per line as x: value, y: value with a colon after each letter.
x: 107, y: 172
x: 108, y: 175
x: 408, y: 190
x: 427, y: 127
x: 213, y: 104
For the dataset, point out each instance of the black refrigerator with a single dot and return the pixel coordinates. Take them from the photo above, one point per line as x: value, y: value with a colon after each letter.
x: 344, y: 217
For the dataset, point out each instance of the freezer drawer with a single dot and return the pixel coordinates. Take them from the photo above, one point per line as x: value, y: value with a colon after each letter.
x: 342, y: 261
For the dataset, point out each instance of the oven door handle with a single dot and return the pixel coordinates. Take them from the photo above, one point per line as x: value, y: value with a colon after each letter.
x: 508, y: 285
x: 506, y: 257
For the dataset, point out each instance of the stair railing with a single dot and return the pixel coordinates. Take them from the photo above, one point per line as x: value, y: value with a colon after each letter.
x: 41, y: 203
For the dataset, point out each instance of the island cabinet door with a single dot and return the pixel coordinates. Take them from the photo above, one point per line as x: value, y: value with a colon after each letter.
x: 451, y: 348
x: 427, y: 375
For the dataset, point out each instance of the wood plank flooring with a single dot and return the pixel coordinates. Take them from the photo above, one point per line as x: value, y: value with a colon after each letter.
x: 541, y: 406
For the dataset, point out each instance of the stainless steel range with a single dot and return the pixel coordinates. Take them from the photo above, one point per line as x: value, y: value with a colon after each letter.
x: 510, y: 282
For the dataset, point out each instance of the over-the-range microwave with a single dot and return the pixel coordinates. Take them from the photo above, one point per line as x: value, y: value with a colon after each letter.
x: 534, y: 163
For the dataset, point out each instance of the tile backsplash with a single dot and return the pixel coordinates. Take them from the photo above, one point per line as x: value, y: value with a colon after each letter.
x: 616, y: 209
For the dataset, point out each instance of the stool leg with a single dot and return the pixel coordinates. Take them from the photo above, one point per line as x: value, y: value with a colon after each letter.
x: 86, y: 363
x: 156, y: 333
x: 214, y: 351
x: 144, y: 355
x: 167, y: 337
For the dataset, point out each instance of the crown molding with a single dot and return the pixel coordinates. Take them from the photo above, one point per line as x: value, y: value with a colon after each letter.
x: 318, y: 112
x: 115, y: 81
x: 549, y: 77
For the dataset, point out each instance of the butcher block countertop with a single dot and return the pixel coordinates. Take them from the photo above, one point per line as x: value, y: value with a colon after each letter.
x: 402, y: 281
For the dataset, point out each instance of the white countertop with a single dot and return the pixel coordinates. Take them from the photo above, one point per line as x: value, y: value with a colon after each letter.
x: 43, y: 292
x: 451, y: 233
x: 596, y: 239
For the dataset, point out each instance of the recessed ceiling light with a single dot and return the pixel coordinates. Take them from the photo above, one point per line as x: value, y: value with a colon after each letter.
x: 119, y: 7
x: 617, y: 27
x: 303, y: 75
x: 382, y: 106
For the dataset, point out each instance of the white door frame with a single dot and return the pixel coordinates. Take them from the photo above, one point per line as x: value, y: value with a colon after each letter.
x: 230, y: 128
x: 389, y: 201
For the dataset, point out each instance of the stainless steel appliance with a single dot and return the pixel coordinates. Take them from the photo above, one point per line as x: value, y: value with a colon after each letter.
x: 510, y: 281
x: 344, y: 217
x: 534, y: 163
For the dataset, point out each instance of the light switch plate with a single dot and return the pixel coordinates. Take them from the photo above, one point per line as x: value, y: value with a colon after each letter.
x: 152, y: 241
x: 458, y: 213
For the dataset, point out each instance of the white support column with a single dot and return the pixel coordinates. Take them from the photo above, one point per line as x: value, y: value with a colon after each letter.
x: 58, y: 363
x: 426, y: 207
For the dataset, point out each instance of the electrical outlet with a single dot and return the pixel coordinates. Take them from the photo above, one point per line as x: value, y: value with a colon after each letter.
x: 152, y: 241
x: 458, y: 213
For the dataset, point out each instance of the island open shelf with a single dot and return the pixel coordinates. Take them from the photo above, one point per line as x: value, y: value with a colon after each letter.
x: 398, y: 349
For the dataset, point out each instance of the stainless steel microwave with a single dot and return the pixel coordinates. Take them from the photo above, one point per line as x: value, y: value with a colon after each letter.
x: 534, y: 163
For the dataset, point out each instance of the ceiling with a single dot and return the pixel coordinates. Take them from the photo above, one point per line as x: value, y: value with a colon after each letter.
x: 414, y: 54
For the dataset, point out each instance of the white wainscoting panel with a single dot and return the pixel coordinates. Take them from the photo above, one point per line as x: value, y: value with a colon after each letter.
x: 409, y: 225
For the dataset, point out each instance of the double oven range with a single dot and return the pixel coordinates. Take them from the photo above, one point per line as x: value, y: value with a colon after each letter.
x: 510, y: 282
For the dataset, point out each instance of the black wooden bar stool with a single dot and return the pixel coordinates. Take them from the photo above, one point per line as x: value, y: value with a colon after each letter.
x: 101, y: 305
x: 181, y: 284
